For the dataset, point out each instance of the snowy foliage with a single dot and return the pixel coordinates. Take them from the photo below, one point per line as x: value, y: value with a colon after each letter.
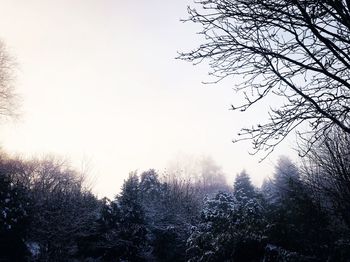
x: 243, y: 190
x: 171, y: 209
x: 120, y: 232
x: 47, y: 214
x: 230, y: 224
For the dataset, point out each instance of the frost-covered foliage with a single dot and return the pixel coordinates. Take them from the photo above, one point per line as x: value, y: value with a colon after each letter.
x: 150, y: 186
x: 282, y: 224
x: 171, y: 209
x: 132, y: 216
x: 243, y: 190
x: 152, y: 195
x: 294, y: 217
x: 130, y: 201
x: 120, y: 231
x: 231, y: 227
x: 46, y: 214
x: 278, y: 254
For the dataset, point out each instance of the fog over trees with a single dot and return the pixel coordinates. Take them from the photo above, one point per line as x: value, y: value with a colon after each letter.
x: 193, y: 211
x: 48, y: 214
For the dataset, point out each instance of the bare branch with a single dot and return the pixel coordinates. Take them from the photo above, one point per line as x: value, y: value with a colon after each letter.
x: 295, y: 49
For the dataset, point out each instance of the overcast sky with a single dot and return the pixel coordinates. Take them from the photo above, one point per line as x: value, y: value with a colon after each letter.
x: 100, y: 83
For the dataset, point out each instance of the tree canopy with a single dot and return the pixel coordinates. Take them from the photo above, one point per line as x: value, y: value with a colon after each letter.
x: 297, y: 50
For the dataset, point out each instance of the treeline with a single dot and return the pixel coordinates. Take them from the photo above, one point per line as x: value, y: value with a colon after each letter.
x: 47, y: 213
x: 300, y: 214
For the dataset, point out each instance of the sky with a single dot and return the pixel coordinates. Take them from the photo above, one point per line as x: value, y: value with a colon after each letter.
x: 100, y: 86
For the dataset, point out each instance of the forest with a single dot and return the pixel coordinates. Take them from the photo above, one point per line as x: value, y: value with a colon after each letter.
x: 301, y: 214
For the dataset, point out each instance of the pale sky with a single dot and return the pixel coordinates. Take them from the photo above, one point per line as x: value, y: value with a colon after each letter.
x: 99, y: 83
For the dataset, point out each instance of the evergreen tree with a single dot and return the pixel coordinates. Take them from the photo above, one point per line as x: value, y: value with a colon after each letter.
x: 295, y: 218
x: 132, y: 219
x: 212, y: 239
x: 119, y: 232
x: 168, y: 216
x: 152, y: 195
x: 104, y: 242
x: 150, y: 186
x: 230, y: 230
x: 129, y: 201
x: 243, y: 188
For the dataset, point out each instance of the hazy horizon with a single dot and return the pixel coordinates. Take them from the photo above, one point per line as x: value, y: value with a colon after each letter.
x: 99, y: 83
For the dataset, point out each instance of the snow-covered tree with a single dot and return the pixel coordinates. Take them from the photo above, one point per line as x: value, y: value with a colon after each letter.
x: 230, y: 229
x: 119, y: 232
x: 104, y: 243
x: 295, y: 218
x: 152, y: 193
x: 170, y: 209
x: 132, y: 219
x: 212, y: 239
x: 286, y: 177
x: 243, y: 189
x: 150, y: 186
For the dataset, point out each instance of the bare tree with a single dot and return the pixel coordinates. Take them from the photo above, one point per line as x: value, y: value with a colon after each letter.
x: 201, y: 172
x: 327, y: 171
x: 8, y: 98
x: 294, y: 49
x: 60, y: 209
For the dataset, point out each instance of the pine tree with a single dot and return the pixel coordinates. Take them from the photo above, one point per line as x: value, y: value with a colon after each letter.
x: 152, y: 194
x: 295, y: 218
x: 132, y: 219
x: 231, y: 227
x: 243, y: 189
x: 212, y: 239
